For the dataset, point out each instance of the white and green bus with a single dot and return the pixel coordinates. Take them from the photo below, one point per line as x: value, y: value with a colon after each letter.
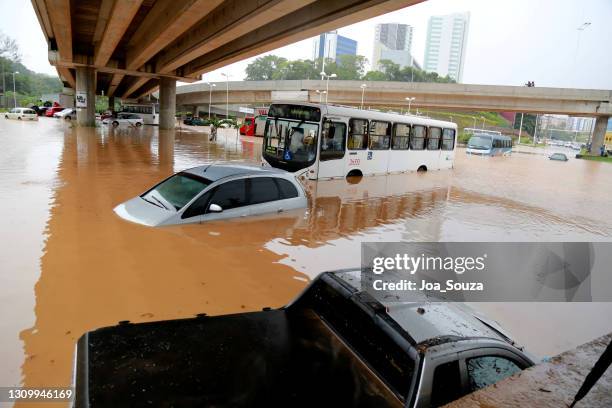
x: 328, y: 141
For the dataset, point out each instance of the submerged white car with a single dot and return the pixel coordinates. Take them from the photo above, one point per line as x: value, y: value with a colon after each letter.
x: 66, y: 114
x: 129, y: 119
x: 215, y: 192
x: 21, y: 114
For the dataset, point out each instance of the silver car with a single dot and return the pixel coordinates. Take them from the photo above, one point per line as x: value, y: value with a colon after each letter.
x: 215, y: 192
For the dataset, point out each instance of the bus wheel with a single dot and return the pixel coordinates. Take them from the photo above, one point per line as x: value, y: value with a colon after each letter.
x: 138, y: 124
x: 115, y: 124
x: 422, y: 169
x: 354, y: 176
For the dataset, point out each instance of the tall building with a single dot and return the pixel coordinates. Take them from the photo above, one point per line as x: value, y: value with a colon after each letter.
x: 445, y: 45
x: 393, y: 42
x: 331, y: 45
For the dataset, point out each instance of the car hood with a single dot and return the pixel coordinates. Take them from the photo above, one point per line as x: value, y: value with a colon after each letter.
x: 141, y: 212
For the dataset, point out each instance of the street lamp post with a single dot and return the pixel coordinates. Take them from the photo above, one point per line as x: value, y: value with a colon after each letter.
x: 14, y: 91
x: 409, y: 102
x: 363, y: 87
x: 483, y: 120
x: 210, y: 87
x: 226, y: 95
x: 323, y: 74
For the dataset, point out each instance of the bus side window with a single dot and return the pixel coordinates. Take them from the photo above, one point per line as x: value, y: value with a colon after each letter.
x: 333, y: 141
x: 380, y: 135
x: 358, y: 134
x: 417, y: 137
x: 401, y: 136
x: 448, y: 139
x: 433, y: 141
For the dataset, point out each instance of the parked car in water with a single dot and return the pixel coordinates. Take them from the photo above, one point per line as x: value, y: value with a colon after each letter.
x: 195, y: 121
x: 558, y: 157
x: 21, y: 114
x: 130, y: 119
x: 67, y: 114
x: 335, y: 345
x: 215, y: 192
x: 53, y: 110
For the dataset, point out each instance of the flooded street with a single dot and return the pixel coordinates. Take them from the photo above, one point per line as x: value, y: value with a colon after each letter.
x: 69, y: 264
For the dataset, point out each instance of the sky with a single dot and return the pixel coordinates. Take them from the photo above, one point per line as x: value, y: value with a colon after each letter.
x: 509, y: 42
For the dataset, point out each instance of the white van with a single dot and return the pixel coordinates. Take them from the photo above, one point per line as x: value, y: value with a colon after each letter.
x: 21, y: 114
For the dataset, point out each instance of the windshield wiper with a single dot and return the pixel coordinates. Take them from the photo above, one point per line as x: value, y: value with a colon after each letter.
x: 157, y: 199
x: 151, y: 202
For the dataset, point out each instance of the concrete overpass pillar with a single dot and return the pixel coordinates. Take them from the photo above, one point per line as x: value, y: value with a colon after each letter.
x: 86, y: 96
x: 167, y: 103
x: 111, y: 103
x: 599, y: 133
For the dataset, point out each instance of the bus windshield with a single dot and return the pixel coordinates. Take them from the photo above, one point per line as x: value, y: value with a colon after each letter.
x: 479, y: 142
x: 291, y: 140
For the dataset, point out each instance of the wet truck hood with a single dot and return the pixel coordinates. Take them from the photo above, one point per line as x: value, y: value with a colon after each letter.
x: 271, y: 358
x: 141, y: 212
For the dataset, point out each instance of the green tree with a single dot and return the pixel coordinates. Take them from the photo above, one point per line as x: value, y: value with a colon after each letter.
x: 528, y: 122
x: 375, y: 76
x: 299, y: 69
x: 264, y: 68
x: 350, y: 67
x: 391, y: 69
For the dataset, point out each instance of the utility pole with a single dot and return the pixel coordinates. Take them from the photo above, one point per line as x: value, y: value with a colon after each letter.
x: 535, y: 130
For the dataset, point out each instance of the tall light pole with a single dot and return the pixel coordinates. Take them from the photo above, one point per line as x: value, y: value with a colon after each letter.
x: 14, y: 91
x: 363, y: 87
x: 482, y: 117
x: 210, y: 87
x: 323, y: 74
x: 520, y: 129
x: 580, y: 29
x: 535, y: 130
x: 226, y: 95
x: 409, y: 102
x: 474, y: 117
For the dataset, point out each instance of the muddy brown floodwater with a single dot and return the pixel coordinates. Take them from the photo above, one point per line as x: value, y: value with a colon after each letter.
x: 68, y: 264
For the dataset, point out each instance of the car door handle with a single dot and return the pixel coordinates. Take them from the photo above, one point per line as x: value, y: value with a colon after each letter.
x: 280, y: 210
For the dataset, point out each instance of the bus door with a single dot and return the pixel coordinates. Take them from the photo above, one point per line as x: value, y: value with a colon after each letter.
x: 377, y: 159
x: 332, y: 150
x: 357, y: 146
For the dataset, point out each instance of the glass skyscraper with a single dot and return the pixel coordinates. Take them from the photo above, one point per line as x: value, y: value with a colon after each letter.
x: 331, y: 45
x: 393, y: 42
x: 445, y: 46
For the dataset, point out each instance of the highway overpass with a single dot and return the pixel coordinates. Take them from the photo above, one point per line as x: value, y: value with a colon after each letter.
x: 576, y: 102
x: 128, y: 48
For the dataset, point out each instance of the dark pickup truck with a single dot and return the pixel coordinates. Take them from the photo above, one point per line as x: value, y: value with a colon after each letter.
x: 333, y: 346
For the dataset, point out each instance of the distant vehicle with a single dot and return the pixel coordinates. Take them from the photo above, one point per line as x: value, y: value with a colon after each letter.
x: 215, y: 192
x: 148, y: 112
x: 485, y: 144
x: 335, y: 345
x: 67, y: 114
x: 327, y: 141
x: 248, y: 127
x: 53, y: 110
x: 558, y: 157
x: 124, y: 119
x: 195, y: 121
x: 21, y: 114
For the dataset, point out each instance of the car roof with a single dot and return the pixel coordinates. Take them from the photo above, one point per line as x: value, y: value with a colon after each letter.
x: 427, y: 320
x: 214, y: 172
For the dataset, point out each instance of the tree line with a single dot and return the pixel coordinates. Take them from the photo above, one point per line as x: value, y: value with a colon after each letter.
x: 29, y: 85
x: 348, y: 67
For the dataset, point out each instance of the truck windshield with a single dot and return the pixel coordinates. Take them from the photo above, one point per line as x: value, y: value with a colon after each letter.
x: 177, y: 190
x: 479, y: 142
x: 291, y: 141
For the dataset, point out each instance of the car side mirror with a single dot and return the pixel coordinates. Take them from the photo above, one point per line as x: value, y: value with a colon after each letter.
x: 215, y: 208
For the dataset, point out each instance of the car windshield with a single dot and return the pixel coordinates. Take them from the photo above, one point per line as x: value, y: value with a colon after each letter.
x: 480, y: 142
x: 177, y: 191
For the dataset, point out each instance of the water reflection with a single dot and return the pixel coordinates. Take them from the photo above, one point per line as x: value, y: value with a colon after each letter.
x: 97, y: 269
